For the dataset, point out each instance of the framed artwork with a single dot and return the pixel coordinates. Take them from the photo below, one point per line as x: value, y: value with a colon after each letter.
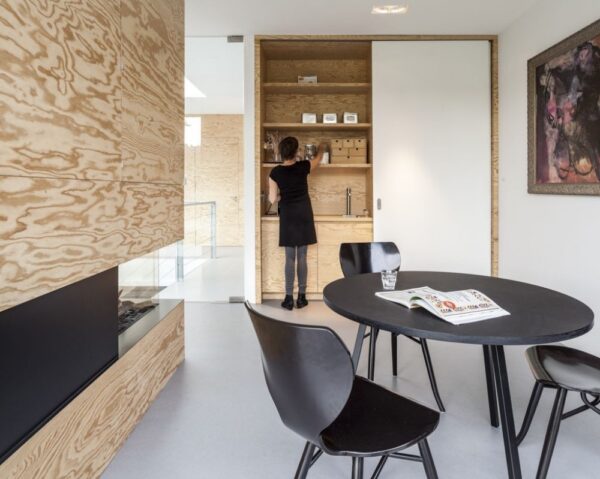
x: 564, y: 116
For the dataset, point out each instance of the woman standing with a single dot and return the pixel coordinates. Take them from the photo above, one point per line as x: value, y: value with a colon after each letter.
x: 288, y: 184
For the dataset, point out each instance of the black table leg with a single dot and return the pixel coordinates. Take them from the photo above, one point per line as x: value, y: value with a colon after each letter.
x: 491, y: 387
x: 372, y: 348
x: 360, y: 337
x: 506, y: 412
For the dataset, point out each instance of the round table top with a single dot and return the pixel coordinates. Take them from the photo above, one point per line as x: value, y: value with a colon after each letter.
x: 537, y: 315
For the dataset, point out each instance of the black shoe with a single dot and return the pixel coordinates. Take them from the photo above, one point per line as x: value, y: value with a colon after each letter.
x: 288, y: 302
x: 301, y: 301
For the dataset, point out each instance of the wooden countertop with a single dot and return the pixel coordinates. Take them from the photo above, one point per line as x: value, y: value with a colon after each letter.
x: 328, y: 218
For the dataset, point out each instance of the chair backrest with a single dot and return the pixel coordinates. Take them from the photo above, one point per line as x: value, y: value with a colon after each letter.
x: 308, y: 370
x: 361, y: 258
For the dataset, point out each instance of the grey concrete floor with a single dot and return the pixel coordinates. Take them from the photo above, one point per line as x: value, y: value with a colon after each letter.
x: 215, y: 418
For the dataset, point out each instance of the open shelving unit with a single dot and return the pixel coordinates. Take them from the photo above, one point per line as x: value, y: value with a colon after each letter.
x: 343, y: 69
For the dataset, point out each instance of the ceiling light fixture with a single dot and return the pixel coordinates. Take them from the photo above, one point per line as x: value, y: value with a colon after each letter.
x: 389, y: 9
x: 191, y: 90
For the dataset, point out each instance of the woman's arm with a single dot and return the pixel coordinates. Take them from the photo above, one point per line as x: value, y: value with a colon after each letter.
x: 316, y: 161
x: 273, y: 191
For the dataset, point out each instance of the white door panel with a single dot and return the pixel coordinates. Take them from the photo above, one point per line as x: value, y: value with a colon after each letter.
x: 431, y: 148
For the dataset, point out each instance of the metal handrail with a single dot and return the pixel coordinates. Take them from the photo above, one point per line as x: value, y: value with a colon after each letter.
x: 213, y: 235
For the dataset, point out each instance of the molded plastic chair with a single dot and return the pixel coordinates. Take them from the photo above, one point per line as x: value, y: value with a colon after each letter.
x: 310, y: 375
x: 564, y: 369
x: 362, y: 258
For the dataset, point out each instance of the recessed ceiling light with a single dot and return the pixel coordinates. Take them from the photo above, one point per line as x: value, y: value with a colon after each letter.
x: 191, y: 90
x: 389, y: 9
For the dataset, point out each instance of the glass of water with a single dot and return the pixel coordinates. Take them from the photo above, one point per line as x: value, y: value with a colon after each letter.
x: 388, y: 279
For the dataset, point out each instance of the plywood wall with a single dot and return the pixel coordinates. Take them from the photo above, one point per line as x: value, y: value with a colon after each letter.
x: 215, y: 172
x: 91, y: 138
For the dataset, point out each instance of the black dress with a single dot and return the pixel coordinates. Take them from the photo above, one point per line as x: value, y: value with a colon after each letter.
x: 296, y: 221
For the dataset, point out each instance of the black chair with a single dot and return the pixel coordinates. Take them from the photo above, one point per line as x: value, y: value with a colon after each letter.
x: 362, y: 258
x: 311, y: 379
x: 564, y: 369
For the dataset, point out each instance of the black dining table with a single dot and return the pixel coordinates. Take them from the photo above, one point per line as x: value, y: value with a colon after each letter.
x: 537, y: 316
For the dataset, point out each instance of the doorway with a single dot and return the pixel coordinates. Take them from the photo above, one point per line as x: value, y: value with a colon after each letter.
x: 210, y: 258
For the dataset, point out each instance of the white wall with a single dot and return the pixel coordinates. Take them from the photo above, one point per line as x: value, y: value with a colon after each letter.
x: 249, y: 173
x: 546, y: 240
x: 431, y: 149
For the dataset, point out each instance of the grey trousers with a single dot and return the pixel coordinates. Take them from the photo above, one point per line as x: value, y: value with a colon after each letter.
x: 293, y: 254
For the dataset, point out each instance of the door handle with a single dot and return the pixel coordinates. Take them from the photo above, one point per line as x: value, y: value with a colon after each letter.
x: 378, y: 203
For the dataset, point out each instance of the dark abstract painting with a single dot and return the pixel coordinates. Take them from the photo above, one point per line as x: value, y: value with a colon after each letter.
x: 564, y: 116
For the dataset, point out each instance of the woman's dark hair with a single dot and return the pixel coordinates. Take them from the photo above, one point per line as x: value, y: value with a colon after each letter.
x: 288, y: 147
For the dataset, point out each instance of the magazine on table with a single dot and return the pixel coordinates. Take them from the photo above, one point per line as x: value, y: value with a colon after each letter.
x: 456, y: 307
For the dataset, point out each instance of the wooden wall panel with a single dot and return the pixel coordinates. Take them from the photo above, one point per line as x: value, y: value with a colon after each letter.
x: 80, y: 441
x: 153, y: 103
x: 327, y: 191
x: 65, y: 154
x: 60, y: 97
x: 216, y: 173
x: 54, y: 232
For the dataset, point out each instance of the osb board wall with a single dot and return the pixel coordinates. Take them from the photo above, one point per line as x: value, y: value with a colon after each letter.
x: 215, y: 172
x: 91, y: 150
x: 81, y: 440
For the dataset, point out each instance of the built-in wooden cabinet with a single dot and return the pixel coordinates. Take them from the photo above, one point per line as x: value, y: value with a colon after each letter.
x: 323, y: 257
x: 343, y: 70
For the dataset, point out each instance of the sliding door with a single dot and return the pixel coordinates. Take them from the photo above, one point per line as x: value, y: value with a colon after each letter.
x: 432, y: 153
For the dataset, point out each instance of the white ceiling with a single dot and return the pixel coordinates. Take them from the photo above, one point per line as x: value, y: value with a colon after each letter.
x: 217, y: 69
x: 231, y: 17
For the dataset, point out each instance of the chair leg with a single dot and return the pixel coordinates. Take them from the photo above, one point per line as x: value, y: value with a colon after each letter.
x: 305, y: 461
x: 357, y: 467
x: 431, y: 375
x: 379, y: 467
x: 531, y: 408
x: 372, y: 351
x: 358, y: 344
x: 552, y: 433
x: 394, y: 354
x: 491, y: 387
x: 430, y: 471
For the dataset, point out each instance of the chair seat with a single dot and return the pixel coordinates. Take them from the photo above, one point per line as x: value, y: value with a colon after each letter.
x: 377, y: 421
x: 564, y: 367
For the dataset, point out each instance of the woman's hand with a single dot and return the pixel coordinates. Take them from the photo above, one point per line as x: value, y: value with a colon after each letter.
x: 316, y: 161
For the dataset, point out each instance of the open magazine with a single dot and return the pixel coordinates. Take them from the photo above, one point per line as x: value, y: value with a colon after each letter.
x: 456, y: 307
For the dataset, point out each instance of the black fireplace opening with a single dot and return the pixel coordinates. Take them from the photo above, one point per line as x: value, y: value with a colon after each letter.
x: 50, y: 349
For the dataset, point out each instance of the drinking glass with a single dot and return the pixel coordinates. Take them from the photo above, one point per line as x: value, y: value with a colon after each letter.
x: 388, y: 279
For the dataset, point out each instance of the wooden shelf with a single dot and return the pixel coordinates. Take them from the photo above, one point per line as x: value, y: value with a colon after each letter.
x: 328, y: 166
x: 317, y: 88
x: 328, y: 219
x: 317, y: 126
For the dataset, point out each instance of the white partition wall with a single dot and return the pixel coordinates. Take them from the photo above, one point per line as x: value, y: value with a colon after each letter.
x: 432, y: 153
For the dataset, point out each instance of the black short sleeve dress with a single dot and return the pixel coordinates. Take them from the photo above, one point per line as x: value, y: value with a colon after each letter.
x: 296, y: 220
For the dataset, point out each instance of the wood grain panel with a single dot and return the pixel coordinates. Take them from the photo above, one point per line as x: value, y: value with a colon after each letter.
x: 216, y: 174
x: 323, y: 50
x: 327, y: 189
x: 331, y: 236
x: 495, y: 235
x: 54, y: 232
x: 273, y: 262
x: 327, y: 71
x: 288, y: 108
x: 82, y: 439
x: 153, y: 102
x: 60, y: 95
